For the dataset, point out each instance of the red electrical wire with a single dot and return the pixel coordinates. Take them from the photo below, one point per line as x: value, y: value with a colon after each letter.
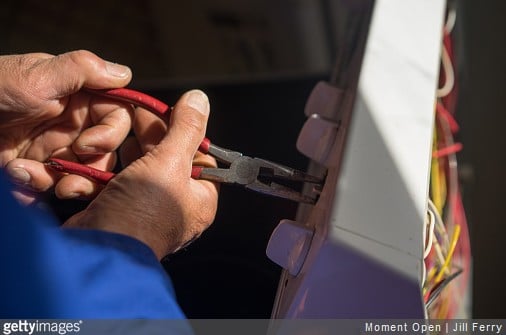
x: 447, y: 150
x: 98, y: 176
x: 444, y: 113
x: 101, y: 177
x: 134, y: 97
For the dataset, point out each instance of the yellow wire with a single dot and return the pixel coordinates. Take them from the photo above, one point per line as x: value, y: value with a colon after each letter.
x: 438, y: 177
x: 455, y: 238
x: 435, y: 181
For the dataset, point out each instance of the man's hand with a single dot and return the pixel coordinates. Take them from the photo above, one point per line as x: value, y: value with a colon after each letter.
x: 154, y: 199
x: 44, y: 114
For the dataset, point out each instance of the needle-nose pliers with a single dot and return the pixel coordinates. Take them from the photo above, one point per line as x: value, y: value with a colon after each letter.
x: 256, y: 174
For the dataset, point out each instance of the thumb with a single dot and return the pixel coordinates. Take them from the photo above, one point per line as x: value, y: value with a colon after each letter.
x: 40, y: 82
x: 69, y: 72
x: 186, y: 130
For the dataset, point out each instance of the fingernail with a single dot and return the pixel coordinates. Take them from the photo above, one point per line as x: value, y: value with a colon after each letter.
x: 117, y: 70
x: 198, y: 100
x: 20, y: 176
x: 91, y: 150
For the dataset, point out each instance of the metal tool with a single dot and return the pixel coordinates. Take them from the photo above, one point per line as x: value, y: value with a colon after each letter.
x: 255, y: 174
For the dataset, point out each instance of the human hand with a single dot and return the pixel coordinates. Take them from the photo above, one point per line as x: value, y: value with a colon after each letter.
x: 44, y: 114
x: 154, y: 199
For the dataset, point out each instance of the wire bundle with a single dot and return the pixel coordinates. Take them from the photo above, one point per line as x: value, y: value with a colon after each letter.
x: 447, y: 255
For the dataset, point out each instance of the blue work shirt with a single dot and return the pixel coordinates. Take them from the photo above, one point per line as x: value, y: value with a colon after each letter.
x: 49, y: 272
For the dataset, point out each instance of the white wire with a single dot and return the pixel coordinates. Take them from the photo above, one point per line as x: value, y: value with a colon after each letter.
x: 439, y: 253
x: 450, y: 20
x: 439, y: 222
x: 432, y: 223
x: 449, y: 74
x: 424, y: 233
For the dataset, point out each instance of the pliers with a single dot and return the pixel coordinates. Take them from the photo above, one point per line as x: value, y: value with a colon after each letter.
x: 256, y: 174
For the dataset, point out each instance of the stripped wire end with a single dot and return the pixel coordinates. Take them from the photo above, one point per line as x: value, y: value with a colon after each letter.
x: 95, y: 175
x: 54, y: 165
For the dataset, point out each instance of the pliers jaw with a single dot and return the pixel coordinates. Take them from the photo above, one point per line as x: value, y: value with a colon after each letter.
x: 259, y: 175
x: 281, y: 191
x: 271, y: 174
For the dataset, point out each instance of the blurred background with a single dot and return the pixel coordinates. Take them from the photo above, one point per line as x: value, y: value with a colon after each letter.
x: 258, y: 61
x: 162, y: 40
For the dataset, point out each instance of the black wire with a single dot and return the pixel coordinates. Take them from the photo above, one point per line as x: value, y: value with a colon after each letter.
x: 439, y: 288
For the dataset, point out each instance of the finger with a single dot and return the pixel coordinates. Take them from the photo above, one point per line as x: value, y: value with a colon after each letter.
x: 112, y: 122
x: 24, y: 196
x: 129, y: 151
x: 68, y: 72
x: 59, y: 133
x: 30, y: 175
x: 201, y: 159
x: 46, y: 80
x: 148, y: 128
x: 74, y: 186
x: 104, y: 162
x: 186, y: 130
x: 203, y: 191
x: 33, y: 176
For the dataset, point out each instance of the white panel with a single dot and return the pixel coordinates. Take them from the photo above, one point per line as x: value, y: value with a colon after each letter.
x: 366, y: 254
x: 382, y: 191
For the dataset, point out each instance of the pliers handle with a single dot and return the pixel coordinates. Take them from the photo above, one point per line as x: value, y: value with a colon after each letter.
x: 255, y: 174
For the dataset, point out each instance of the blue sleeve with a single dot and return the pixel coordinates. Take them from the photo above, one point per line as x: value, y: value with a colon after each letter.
x: 49, y: 272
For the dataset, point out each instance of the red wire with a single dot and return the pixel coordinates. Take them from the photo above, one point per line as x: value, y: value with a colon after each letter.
x: 447, y: 150
x: 444, y: 113
x: 101, y: 177
x: 136, y: 98
x: 98, y: 176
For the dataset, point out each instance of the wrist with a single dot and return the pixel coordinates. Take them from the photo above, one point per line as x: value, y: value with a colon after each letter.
x: 117, y: 223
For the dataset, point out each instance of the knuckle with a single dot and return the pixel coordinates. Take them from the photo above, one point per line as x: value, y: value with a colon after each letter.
x: 193, y: 123
x: 81, y: 56
x: 84, y: 58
